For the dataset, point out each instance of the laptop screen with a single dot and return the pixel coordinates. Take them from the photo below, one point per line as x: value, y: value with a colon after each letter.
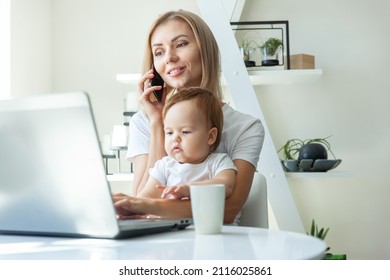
x: 52, y: 177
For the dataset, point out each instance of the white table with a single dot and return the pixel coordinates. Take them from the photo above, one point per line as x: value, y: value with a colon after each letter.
x: 235, y: 243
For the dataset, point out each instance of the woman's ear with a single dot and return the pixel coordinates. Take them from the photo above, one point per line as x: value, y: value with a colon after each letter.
x: 212, y: 136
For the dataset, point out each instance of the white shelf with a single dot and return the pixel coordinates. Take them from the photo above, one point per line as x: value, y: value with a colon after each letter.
x: 306, y: 175
x: 120, y: 177
x: 129, y: 79
x: 268, y: 77
x: 257, y: 77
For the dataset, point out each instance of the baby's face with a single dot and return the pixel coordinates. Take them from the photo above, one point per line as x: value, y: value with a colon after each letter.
x: 187, y: 135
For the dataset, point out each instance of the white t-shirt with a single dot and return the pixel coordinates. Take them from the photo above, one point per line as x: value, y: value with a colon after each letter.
x: 168, y: 171
x: 242, y: 136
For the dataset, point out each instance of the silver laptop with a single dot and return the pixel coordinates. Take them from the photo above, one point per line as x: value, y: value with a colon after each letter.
x: 52, y: 175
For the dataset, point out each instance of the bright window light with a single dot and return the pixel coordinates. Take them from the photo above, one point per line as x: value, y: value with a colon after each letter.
x: 5, y: 49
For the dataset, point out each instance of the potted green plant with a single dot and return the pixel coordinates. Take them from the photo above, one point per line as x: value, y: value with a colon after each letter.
x: 308, y: 155
x: 292, y: 147
x: 321, y: 234
x: 248, y: 48
x: 270, y: 50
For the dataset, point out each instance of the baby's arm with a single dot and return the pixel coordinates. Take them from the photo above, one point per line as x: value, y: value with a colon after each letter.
x: 150, y: 190
x: 226, y: 177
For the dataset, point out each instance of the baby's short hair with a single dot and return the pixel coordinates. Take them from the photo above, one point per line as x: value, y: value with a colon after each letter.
x: 208, y: 104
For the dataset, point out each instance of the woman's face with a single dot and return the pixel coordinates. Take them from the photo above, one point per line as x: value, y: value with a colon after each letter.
x: 176, y: 54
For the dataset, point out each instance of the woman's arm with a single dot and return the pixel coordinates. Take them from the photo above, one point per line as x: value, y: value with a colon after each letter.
x: 143, y: 163
x: 166, y: 208
x: 139, y: 167
x: 153, y: 110
x: 242, y: 186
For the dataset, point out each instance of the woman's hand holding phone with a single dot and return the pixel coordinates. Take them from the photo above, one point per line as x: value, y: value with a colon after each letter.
x: 152, y: 108
x: 157, y: 81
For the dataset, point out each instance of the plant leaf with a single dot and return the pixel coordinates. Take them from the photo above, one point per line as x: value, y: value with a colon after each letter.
x: 320, y: 233
x: 325, y: 233
x: 312, y: 231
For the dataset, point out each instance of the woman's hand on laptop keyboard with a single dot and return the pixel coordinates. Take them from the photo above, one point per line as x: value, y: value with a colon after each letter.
x: 124, y: 206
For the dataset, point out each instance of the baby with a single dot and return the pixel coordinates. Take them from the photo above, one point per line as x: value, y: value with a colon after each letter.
x: 193, y: 121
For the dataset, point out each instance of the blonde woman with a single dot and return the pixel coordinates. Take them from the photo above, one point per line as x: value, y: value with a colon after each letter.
x: 183, y: 50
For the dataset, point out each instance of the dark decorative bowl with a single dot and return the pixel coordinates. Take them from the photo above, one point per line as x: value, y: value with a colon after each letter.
x: 309, y: 165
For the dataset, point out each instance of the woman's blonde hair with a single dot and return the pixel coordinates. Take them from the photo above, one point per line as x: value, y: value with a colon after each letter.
x: 208, y: 105
x: 208, y: 48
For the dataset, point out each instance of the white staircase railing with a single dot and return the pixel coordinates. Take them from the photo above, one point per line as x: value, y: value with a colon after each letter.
x: 217, y: 14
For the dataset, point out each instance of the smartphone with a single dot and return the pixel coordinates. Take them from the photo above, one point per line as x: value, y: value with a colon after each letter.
x: 157, y: 81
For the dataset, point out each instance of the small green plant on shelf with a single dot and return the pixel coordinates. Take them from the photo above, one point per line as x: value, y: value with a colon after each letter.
x: 310, y: 155
x: 248, y: 50
x: 271, y: 46
x: 270, y: 50
x: 321, y: 233
x: 247, y: 43
x: 292, y: 148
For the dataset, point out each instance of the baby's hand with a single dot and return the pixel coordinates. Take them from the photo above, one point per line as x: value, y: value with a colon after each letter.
x: 174, y: 192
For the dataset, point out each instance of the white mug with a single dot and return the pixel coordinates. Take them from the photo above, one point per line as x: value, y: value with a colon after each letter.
x: 208, y: 206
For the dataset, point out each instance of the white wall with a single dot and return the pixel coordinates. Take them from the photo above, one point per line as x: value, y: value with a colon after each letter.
x: 350, y: 102
x: 92, y: 41
x: 31, y: 28
x: 5, y: 48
